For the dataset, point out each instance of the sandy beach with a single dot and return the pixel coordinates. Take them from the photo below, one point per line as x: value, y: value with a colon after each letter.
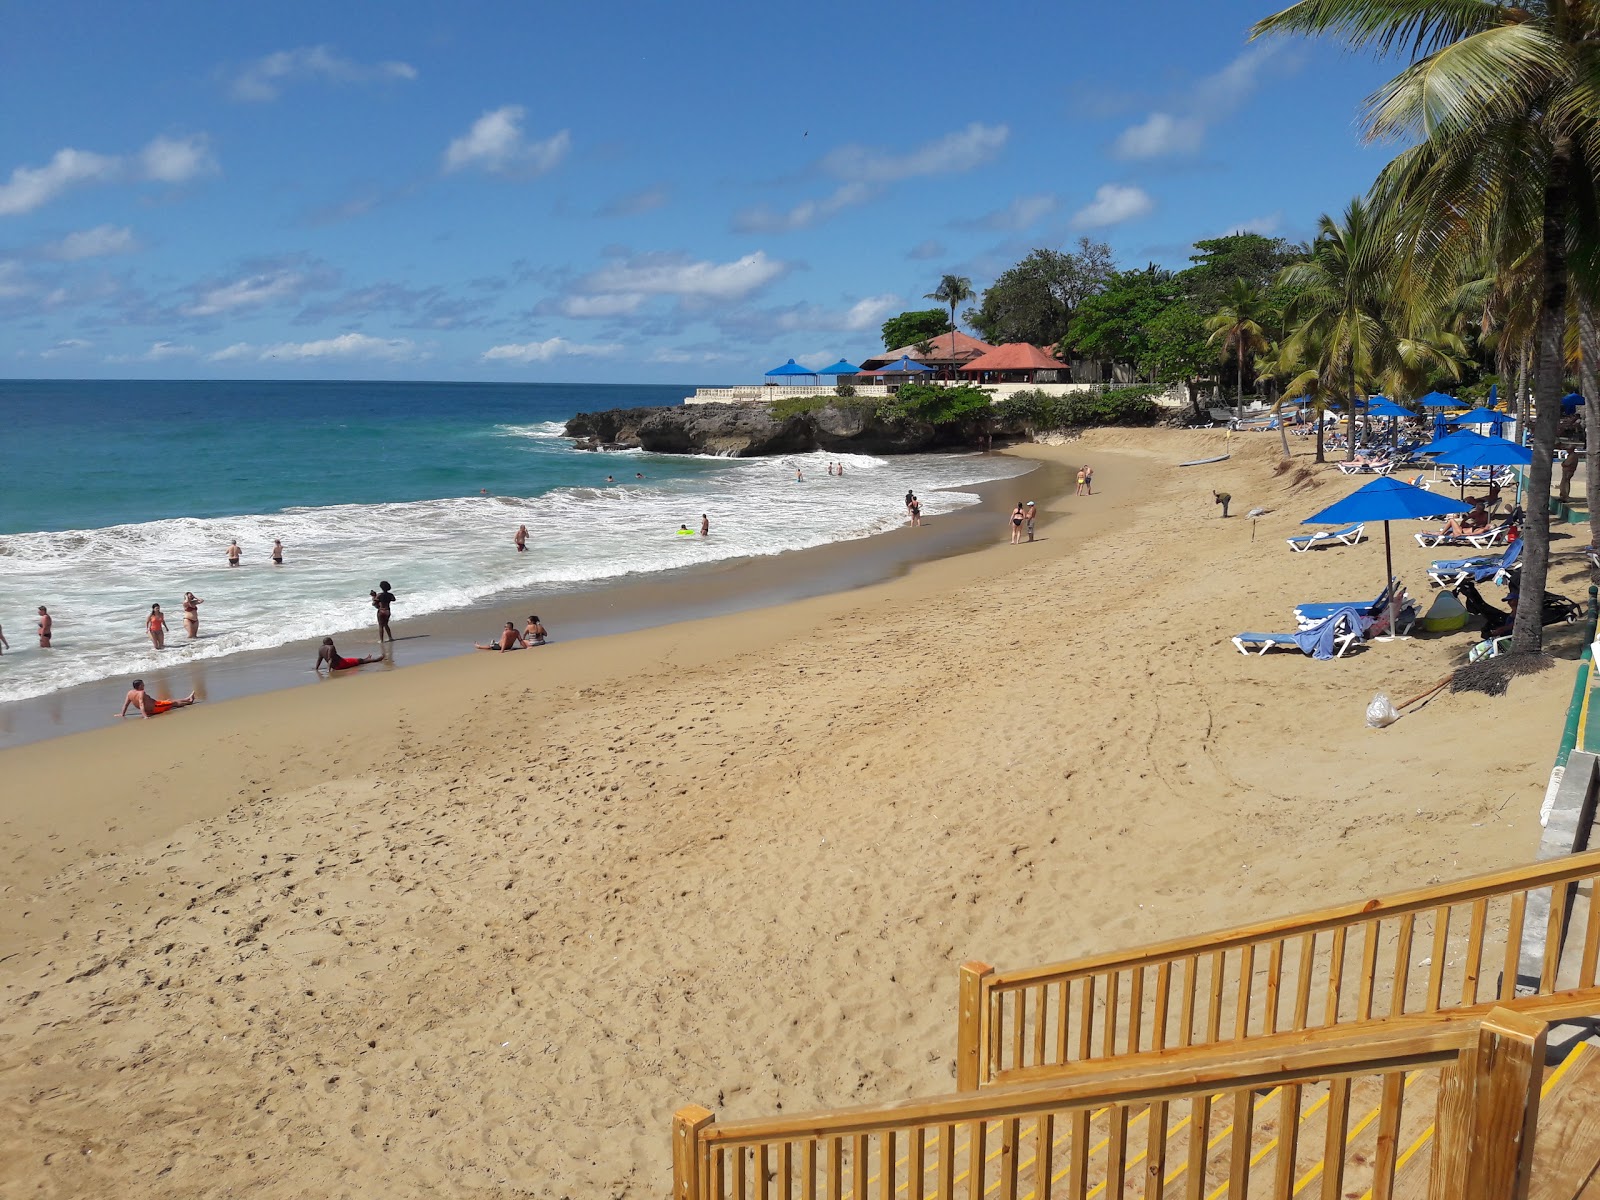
x: 483, y: 924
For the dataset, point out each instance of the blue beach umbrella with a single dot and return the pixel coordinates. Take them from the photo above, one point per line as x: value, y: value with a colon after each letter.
x: 1388, y: 408
x: 1439, y: 400
x: 1570, y: 401
x: 1385, y: 499
x: 1452, y: 441
x: 904, y: 365
x: 1479, y: 416
x: 840, y: 368
x: 1493, y: 452
x: 791, y: 368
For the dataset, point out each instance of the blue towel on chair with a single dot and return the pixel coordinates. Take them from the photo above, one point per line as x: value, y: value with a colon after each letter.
x: 1318, y: 641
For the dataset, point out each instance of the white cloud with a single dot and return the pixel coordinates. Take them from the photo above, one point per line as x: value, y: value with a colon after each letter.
x: 556, y: 347
x: 158, y: 352
x: 923, y: 251
x: 807, y: 213
x: 345, y: 345
x: 65, y: 348
x: 252, y: 291
x: 14, y: 281
x: 102, y: 241
x: 869, y: 313
x: 619, y: 304
x: 1213, y: 98
x: 163, y: 160
x: 495, y: 143
x: 673, y: 275
x: 264, y: 78
x: 1113, y: 203
x: 675, y: 357
x: 1022, y: 213
x: 955, y: 152
x: 1158, y: 135
x: 176, y: 160
x: 233, y: 353
x: 30, y: 187
x: 864, y: 314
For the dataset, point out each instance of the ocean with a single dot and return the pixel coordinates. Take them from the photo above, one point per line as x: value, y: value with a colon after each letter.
x: 117, y: 495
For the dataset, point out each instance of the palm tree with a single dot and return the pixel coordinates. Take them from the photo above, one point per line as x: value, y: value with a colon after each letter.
x: 1340, y: 306
x: 1238, y: 326
x: 1501, y: 102
x: 952, y: 290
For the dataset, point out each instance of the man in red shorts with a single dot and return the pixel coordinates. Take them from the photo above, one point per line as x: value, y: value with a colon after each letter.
x: 328, y: 655
x: 147, y: 704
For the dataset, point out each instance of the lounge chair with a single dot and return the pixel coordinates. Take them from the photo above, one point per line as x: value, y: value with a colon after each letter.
x: 1348, y: 536
x: 1328, y: 638
x: 1447, y: 572
x: 1481, y: 540
x: 1310, y: 614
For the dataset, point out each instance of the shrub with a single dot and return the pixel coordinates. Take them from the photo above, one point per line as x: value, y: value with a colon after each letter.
x: 793, y: 406
x: 844, y: 389
x: 933, y: 404
x: 1039, y: 410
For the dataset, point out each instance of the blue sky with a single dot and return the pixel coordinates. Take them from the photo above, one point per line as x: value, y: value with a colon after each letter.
x: 613, y: 192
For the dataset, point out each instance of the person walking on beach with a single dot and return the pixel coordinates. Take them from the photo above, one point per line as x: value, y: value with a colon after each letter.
x: 705, y: 525
x: 1017, y: 517
x: 277, y: 552
x: 535, y: 634
x: 46, y: 625
x: 1088, y: 480
x: 383, y: 600
x: 156, y: 626
x: 1082, y: 482
x: 916, y: 512
x: 329, y: 654
x: 521, y: 539
x: 233, y: 553
x: 510, y: 639
x: 147, y: 704
x: 1029, y: 512
x: 191, y: 614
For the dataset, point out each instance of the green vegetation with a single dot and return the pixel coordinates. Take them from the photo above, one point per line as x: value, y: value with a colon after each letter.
x: 1041, y: 411
x: 910, y: 328
x: 1036, y: 300
x: 952, y: 290
x: 794, y: 406
x: 934, y: 405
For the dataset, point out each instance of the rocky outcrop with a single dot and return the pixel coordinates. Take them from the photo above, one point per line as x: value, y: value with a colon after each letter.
x: 751, y: 430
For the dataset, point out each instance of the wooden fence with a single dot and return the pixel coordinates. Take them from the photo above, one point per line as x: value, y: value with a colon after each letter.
x: 1454, y: 946
x: 1269, y: 1117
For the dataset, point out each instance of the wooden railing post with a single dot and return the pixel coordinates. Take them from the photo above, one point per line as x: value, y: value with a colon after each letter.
x: 1488, y: 1108
x: 970, y: 1025
x: 687, y: 1123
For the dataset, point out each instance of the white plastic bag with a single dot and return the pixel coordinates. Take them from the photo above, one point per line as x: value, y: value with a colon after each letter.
x: 1380, y: 712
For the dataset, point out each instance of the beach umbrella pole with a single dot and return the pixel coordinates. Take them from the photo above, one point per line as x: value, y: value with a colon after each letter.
x: 1388, y: 579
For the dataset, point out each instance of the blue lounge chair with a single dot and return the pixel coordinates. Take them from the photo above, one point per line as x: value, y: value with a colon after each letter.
x: 1348, y: 536
x: 1447, y: 572
x: 1310, y: 614
x: 1328, y: 638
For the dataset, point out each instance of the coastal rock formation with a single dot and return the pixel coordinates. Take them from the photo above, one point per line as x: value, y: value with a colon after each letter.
x: 752, y: 430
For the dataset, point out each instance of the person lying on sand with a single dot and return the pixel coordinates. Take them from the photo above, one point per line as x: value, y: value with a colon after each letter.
x: 329, y: 654
x: 510, y: 639
x: 147, y: 704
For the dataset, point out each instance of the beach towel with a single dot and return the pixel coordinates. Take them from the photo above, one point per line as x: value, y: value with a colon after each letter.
x: 1318, y: 641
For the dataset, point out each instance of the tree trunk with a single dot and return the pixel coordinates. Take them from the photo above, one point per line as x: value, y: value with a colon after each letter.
x: 1589, y: 340
x: 1238, y: 392
x: 1350, y: 423
x: 1320, y: 444
x: 1283, y: 428
x: 1527, y: 634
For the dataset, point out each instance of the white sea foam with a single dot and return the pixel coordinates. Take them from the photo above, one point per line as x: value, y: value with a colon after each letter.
x: 438, y: 554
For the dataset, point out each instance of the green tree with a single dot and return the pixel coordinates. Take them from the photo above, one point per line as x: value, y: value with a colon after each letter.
x: 1341, y: 306
x: 1035, y: 300
x: 1501, y: 103
x: 1180, y: 350
x: 909, y: 328
x: 1239, y: 324
x: 1218, y: 262
x: 1115, y: 322
x: 952, y: 290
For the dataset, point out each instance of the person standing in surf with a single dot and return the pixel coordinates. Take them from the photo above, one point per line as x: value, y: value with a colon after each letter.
x: 705, y: 525
x: 4, y: 645
x: 521, y: 540
x: 383, y: 600
x: 191, y: 614
x: 233, y: 553
x: 156, y: 626
x: 277, y: 552
x: 46, y: 626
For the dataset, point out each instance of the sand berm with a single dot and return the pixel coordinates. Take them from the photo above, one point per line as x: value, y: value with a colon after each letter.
x: 481, y: 925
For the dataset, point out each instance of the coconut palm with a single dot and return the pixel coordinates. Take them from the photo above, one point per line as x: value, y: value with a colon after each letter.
x: 1502, y: 104
x: 1341, y: 306
x: 1240, y: 326
x: 952, y: 290
x: 1300, y: 358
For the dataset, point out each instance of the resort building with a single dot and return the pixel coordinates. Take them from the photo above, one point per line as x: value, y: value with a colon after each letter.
x: 945, y: 355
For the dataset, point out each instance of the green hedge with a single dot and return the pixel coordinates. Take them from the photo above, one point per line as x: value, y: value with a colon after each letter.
x: 1039, y: 410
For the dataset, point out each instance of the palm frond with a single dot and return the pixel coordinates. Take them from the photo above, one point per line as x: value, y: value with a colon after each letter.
x: 1414, y: 27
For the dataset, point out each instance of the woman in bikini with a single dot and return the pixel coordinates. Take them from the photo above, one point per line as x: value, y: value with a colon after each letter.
x: 521, y: 539
x: 1017, y: 517
x: 191, y: 614
x: 277, y: 552
x: 156, y: 626
x: 535, y: 634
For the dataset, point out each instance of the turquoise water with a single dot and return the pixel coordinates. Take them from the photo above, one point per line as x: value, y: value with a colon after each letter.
x: 115, y: 496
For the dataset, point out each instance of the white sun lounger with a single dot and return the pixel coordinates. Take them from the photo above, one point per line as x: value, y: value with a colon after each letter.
x: 1346, y: 633
x: 1482, y: 540
x: 1348, y: 536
